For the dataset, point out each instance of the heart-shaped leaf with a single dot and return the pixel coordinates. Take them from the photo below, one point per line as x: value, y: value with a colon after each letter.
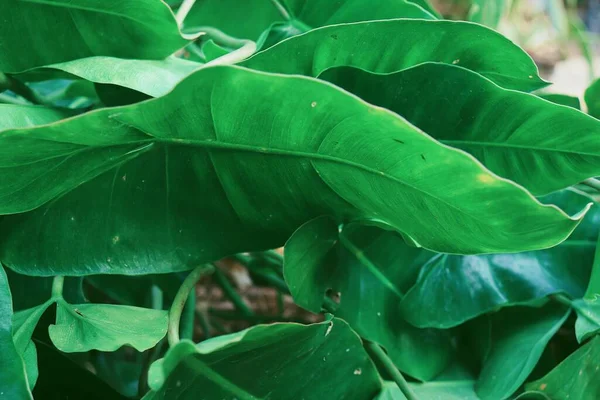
x: 508, y: 131
x: 106, y: 327
x: 119, y: 180
x: 367, y: 269
x: 256, y: 364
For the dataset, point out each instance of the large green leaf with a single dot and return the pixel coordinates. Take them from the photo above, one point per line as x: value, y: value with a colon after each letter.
x: 541, y: 145
x: 116, y: 181
x: 248, y: 19
x: 152, y: 77
x: 368, y: 269
x: 279, y: 361
x: 13, y: 380
x: 41, y: 32
x: 471, y: 46
x: 519, y: 336
x: 106, y: 327
x: 577, y: 377
x: 452, y: 289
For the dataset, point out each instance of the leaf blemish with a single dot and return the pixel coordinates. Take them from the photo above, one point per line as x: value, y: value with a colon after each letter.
x: 398, y: 140
x: 334, y: 37
x: 357, y: 371
x: 423, y: 157
x: 456, y: 61
x: 313, y: 104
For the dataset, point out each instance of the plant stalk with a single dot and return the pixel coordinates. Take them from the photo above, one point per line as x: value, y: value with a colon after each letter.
x: 232, y: 294
x: 593, y: 183
x: 181, y: 298
x: 183, y: 11
x: 391, y: 369
x: 58, y: 284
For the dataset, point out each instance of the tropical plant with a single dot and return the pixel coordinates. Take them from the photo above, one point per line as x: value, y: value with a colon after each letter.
x: 437, y: 219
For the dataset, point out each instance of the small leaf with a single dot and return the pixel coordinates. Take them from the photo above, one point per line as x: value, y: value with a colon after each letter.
x: 506, y: 130
x: 588, y: 317
x: 367, y: 269
x: 255, y: 363
x: 106, y: 327
x: 126, y: 187
x: 13, y: 381
x: 519, y: 336
x: 577, y: 377
x: 471, y: 46
x: 117, y: 28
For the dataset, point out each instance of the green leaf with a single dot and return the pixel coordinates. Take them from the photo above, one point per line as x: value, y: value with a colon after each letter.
x: 136, y: 177
x: 152, y: 77
x: 24, y: 323
x: 255, y: 363
x: 519, y: 336
x: 588, y: 317
x: 16, y: 116
x: 506, y: 130
x: 487, y: 12
x: 562, y: 99
x: 592, y: 99
x: 471, y: 46
x: 13, y: 381
x: 593, y: 289
x: 442, y: 390
x: 250, y: 18
x: 452, y: 289
x: 106, y: 327
x: 368, y: 269
x: 577, y: 377
x: 116, y: 28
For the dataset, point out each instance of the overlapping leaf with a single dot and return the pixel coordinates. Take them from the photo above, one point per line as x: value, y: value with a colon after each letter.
x: 367, y: 269
x: 256, y: 364
x: 84, y: 28
x: 471, y: 46
x: 125, y: 189
x: 452, y: 289
x: 543, y: 146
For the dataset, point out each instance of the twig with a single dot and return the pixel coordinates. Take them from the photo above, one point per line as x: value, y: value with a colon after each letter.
x: 181, y: 298
x: 391, y: 369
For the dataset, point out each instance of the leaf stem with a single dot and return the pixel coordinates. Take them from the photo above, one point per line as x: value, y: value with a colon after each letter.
x: 593, y: 183
x: 377, y: 352
x: 245, y: 48
x: 57, y: 287
x: 284, y: 13
x: 183, y: 11
x: 562, y: 299
x: 232, y: 294
x: 181, y: 298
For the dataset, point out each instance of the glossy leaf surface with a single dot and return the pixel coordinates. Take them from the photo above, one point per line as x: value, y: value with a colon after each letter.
x: 415, y: 42
x: 256, y: 364
x: 519, y: 336
x: 106, y: 327
x: 516, y: 135
x: 117, y: 28
x: 152, y: 77
x: 131, y: 178
x: 577, y: 377
x: 588, y: 317
x: 367, y: 268
x: 452, y: 289
x: 13, y: 381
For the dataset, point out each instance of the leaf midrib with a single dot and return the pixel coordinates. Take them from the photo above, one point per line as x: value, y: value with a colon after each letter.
x: 451, y: 142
